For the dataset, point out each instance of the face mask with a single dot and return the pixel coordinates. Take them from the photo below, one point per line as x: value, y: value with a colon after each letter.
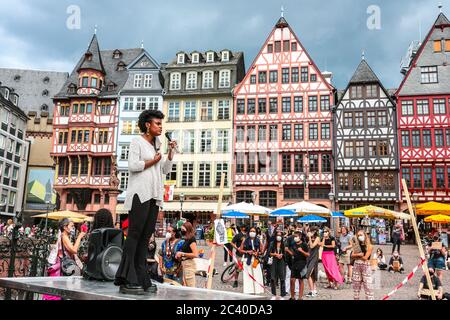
x: 252, y: 234
x: 279, y: 238
x: 361, y: 238
x: 297, y: 239
x: 168, y: 235
x: 183, y: 232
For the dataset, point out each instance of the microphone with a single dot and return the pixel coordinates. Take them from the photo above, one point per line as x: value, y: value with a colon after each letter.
x: 169, y: 138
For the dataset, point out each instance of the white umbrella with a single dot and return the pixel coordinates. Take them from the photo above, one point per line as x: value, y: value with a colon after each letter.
x: 302, y: 208
x: 247, y: 208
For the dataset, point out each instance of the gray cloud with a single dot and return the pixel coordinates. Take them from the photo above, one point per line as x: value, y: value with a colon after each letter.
x: 34, y: 34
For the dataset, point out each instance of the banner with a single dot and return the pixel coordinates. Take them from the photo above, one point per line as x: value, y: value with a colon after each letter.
x: 168, y: 192
x: 39, y: 190
x: 220, y: 232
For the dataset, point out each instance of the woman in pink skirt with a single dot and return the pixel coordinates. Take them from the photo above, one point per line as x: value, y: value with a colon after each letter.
x: 329, y: 260
x: 55, y: 269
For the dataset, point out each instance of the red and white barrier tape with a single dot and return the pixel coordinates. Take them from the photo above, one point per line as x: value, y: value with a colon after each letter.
x: 401, y: 284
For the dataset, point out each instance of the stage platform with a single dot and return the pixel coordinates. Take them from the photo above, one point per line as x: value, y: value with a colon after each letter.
x: 78, y: 288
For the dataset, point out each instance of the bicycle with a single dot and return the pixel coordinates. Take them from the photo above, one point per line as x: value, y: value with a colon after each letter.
x: 229, y: 273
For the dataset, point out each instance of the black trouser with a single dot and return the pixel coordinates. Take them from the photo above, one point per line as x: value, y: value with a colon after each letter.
x: 396, y: 242
x: 227, y: 256
x: 141, y: 225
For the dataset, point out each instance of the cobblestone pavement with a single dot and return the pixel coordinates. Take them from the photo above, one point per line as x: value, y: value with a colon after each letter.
x: 384, y: 283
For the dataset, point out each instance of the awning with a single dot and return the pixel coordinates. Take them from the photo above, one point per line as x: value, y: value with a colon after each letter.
x: 191, y: 206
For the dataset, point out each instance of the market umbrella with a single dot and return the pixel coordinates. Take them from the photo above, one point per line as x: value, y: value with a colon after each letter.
x: 59, y: 215
x: 432, y: 208
x: 247, y: 208
x: 283, y: 213
x: 439, y: 218
x: 311, y: 219
x: 235, y: 215
x: 337, y: 214
x: 305, y: 208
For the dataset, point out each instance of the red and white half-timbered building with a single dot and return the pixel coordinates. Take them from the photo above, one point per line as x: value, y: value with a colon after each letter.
x: 283, y: 126
x: 423, y: 114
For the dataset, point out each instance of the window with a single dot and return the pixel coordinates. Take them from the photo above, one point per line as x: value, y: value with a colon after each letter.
x: 286, y: 104
x: 191, y: 82
x: 286, y: 132
x: 439, y: 106
x: 174, y: 111
x: 141, y: 103
x: 427, y: 178
x: 244, y: 196
x: 313, y: 163
x: 406, y: 174
x: 293, y: 46
x: 262, y: 135
x: 447, y: 45
x: 124, y: 176
x: 439, y: 137
x: 2, y: 142
x: 206, y: 111
x: 298, y: 132
x: 15, y: 174
x: 294, y: 75
x: 294, y: 193
x: 189, y: 141
x: 373, y: 148
x: 313, y: 131
x: 325, y: 131
x: 304, y: 76
x: 251, y: 107
x: 223, y: 111
x: 251, y: 134
x: 63, y: 136
x: 10, y: 146
x: 429, y: 74
x: 64, y: 111
x: 416, y: 138
x: 405, y: 138
x: 153, y: 103
x: 273, y: 76
x: 273, y: 105
x: 357, y: 184
x: 7, y: 171
x: 277, y: 46
x: 437, y: 46
x: 18, y: 149
x: 298, y: 163
x: 447, y: 136
x: 313, y: 77
x: 372, y: 91
x: 382, y: 118
x: 127, y: 127
x: 268, y: 198
x: 375, y: 181
x: 286, y: 163
x: 148, y: 80
x: 298, y: 104
x: 204, y: 175
x: 348, y: 119
x: 240, y: 108
x: 224, y: 78
x: 221, y: 169
x: 343, y: 181
x: 240, y: 132
x: 312, y: 103
x: 359, y: 119
x: 286, y: 45
x: 187, y: 179
x: 273, y: 132
x: 105, y: 109
x: 75, y: 165
x: 222, y: 140
x: 84, y: 165
x: 262, y: 76
x: 359, y: 149
x: 124, y: 152
x: 208, y: 79
x: 348, y: 149
x: 210, y: 57
x: 240, y: 162
x: 383, y: 149
x: 356, y: 92
x: 225, y: 56
x: 326, y: 163
x: 180, y: 58
x: 86, y: 136
x: 12, y: 199
x: 422, y: 107
x: 371, y: 119
x: 137, y: 80
x: 270, y: 48
x: 103, y: 137
x: 190, y: 111
x: 285, y: 75
x: 75, y: 109
x: 407, y: 108
x: 175, y: 81
x: 440, y: 179
x: 253, y: 79
x: 195, y: 58
x: 324, y: 103
x: 262, y: 105
x: 85, y: 82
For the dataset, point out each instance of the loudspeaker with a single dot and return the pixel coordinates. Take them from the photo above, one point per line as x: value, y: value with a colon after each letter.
x: 104, y: 254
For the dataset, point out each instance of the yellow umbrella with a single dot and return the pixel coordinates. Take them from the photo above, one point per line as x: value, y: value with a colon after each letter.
x: 374, y: 211
x: 439, y: 218
x: 59, y: 215
x: 432, y: 208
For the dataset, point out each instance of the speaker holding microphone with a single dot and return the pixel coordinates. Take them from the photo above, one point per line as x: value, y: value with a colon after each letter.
x: 169, y: 138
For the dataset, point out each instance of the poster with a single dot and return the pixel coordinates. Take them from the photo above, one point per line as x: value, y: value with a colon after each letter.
x: 168, y: 192
x: 40, y: 189
x: 220, y: 232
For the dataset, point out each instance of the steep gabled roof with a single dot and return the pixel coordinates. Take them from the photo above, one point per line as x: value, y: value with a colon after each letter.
x: 363, y: 74
x: 441, y: 20
x: 93, y: 58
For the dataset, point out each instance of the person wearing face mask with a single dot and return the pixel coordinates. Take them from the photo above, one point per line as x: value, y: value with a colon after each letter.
x: 187, y: 254
x: 252, y: 249
x: 424, y: 293
x: 312, y: 262
x: 299, y: 264
x: 169, y: 266
x: 236, y: 243
x: 396, y: 263
x: 152, y: 264
x: 230, y: 234
x: 437, y: 253
x: 362, y: 271
x: 277, y: 264
x: 329, y: 260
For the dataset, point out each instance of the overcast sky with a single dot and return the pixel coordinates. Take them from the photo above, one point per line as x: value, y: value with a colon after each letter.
x: 34, y: 33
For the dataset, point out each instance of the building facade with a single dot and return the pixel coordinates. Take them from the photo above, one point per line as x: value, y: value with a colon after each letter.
x: 13, y: 153
x: 86, y: 119
x: 198, y: 105
x: 36, y: 89
x: 142, y: 90
x: 283, y: 126
x: 365, y: 144
x: 424, y: 117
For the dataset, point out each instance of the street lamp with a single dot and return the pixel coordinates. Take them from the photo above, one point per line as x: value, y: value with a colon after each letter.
x: 254, y: 194
x: 46, y: 217
x: 182, y: 197
x: 331, y: 197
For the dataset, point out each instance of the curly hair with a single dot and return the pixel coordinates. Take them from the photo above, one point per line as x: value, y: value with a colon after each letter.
x: 147, y: 116
x: 103, y: 219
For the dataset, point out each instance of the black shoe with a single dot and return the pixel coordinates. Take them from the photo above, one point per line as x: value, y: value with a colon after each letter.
x: 152, y: 289
x: 235, y: 284
x: 131, y: 289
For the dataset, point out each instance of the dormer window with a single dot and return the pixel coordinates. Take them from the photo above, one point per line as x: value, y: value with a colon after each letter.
x: 88, y: 56
x: 44, y: 107
x: 180, y: 58
x: 195, y: 58
x: 6, y: 93
x: 72, y: 88
x: 191, y: 82
x: 117, y: 54
x: 17, y: 78
x: 94, y: 82
x: 111, y: 86
x: 84, y: 82
x: 225, y: 56
x: 137, y: 80
x: 45, y: 93
x: 15, y: 99
x: 46, y: 80
x: 210, y: 57
x: 121, y: 66
x: 175, y: 81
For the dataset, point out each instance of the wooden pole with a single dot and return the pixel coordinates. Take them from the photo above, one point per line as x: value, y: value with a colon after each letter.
x: 419, y: 241
x: 213, y: 249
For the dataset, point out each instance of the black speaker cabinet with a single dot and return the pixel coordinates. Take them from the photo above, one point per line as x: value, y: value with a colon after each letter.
x: 104, y: 254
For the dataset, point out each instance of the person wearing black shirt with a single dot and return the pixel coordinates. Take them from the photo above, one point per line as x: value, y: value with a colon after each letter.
x: 398, y: 260
x: 277, y: 264
x: 187, y: 254
x: 437, y: 287
x: 236, y: 244
x: 298, y: 272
